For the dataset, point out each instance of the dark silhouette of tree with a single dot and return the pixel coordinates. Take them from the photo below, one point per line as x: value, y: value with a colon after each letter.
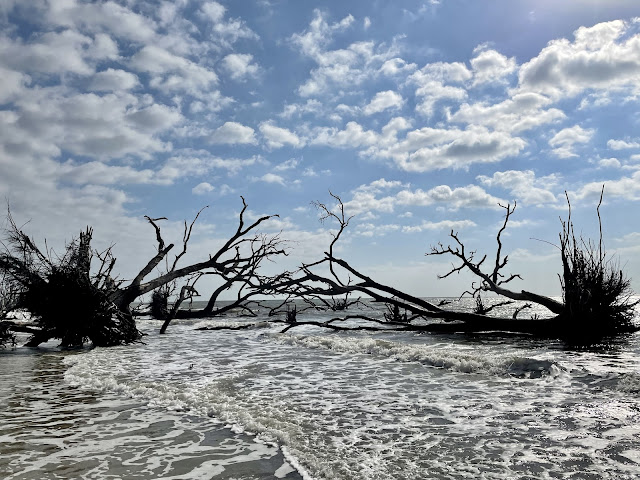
x: 70, y: 303
x: 596, y: 294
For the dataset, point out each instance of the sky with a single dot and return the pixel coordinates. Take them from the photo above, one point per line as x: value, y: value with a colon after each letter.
x: 423, y: 116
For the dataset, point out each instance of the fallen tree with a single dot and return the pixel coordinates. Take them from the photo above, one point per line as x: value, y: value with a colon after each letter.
x: 70, y: 302
x: 596, y: 294
x: 65, y: 300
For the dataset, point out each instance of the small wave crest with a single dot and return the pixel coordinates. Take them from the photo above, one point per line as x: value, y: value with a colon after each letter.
x: 629, y: 383
x: 449, y: 358
x: 211, y: 324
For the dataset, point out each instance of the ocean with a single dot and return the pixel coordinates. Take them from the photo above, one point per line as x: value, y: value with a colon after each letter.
x: 314, y: 404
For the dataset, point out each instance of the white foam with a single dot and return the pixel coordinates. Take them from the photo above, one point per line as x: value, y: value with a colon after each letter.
x: 365, y: 406
x: 449, y: 357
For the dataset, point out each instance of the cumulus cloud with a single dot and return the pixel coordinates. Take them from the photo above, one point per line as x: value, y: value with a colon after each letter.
x: 13, y: 83
x: 113, y: 80
x: 348, y: 66
x: 52, y: 53
x: 213, y: 11
x: 600, y: 57
x: 232, y: 133
x: 564, y: 141
x: 490, y: 66
x: 522, y: 112
x: 523, y: 186
x: 435, y: 148
x: 383, y: 101
x: 352, y: 136
x: 202, y: 188
x: 375, y: 197
x: 117, y: 19
x: 396, y: 66
x: 471, y: 196
x: 240, y: 66
x: 622, y: 144
x: 627, y: 188
x: 443, y: 225
x: 172, y: 72
x: 87, y: 124
x: 434, y: 84
x: 310, y: 106
x: 609, y: 163
x: 278, y: 137
x: 290, y: 164
x: 271, y: 178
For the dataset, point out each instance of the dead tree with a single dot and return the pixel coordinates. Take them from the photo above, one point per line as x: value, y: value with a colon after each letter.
x: 66, y: 300
x: 332, y: 277
x: 493, y: 280
x: 73, y: 304
x: 596, y: 293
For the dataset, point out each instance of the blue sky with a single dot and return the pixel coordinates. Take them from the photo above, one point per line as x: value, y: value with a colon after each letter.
x: 421, y: 115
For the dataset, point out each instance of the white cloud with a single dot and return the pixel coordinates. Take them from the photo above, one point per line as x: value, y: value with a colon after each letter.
x: 13, y: 84
x: 310, y: 106
x: 176, y: 167
x: 435, y: 148
x: 523, y: 186
x: 154, y: 118
x: 367, y: 198
x: 278, y: 137
x: 319, y: 34
x: 233, y: 133
x: 609, y: 163
x: 113, y: 80
x: 98, y: 173
x: 565, y: 139
x: 627, y: 188
x: 290, y: 164
x: 601, y: 57
x: 106, y: 16
x: 173, y: 72
x: 51, y: 53
x: 432, y: 84
x: 522, y: 112
x: 471, y: 196
x: 107, y: 126
x: 202, y: 188
x: 396, y: 66
x: 343, y: 67
x: 272, y: 178
x: 622, y: 144
x: 352, y: 136
x: 442, y: 225
x: 383, y: 101
x: 490, y: 66
x: 240, y: 66
x: 375, y: 230
x: 213, y: 11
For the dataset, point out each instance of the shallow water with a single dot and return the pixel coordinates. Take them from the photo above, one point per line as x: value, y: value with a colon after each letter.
x: 335, y: 406
x: 50, y: 429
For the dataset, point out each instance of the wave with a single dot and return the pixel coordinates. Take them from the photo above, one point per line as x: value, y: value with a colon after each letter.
x: 436, y: 356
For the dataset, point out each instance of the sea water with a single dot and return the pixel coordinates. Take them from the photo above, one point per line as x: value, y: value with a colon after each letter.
x: 316, y: 404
